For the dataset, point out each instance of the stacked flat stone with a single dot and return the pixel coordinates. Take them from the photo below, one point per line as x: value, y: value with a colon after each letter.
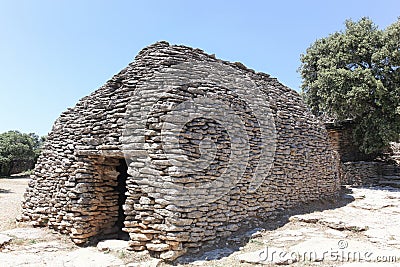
x: 361, y: 173
x: 342, y: 141
x: 73, y: 189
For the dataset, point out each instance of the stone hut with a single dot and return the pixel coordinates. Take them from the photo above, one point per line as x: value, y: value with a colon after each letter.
x: 175, y: 151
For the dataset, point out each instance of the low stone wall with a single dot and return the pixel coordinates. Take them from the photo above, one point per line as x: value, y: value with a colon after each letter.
x: 19, y: 166
x: 361, y: 173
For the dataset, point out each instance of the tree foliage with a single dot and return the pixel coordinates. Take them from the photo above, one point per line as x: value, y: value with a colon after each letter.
x: 355, y: 74
x: 16, y: 146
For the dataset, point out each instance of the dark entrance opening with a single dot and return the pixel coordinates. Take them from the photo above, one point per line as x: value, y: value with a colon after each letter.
x: 122, y: 168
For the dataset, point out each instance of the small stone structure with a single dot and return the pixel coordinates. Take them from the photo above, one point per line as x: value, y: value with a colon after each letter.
x: 357, y: 168
x: 341, y: 139
x: 175, y: 151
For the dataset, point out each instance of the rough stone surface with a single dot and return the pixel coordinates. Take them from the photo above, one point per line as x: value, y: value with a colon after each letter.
x: 370, y: 173
x: 357, y: 168
x: 179, y: 195
x: 4, y: 240
x: 361, y: 173
x: 112, y: 245
x: 150, y: 263
x: 267, y: 256
x: 341, y: 138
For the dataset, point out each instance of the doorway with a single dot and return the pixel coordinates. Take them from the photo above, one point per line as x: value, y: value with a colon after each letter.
x: 121, y: 189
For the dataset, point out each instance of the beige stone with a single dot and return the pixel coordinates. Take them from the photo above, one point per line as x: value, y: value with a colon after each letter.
x: 157, y: 247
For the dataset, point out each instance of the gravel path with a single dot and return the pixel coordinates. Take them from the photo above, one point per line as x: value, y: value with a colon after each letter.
x: 11, y: 195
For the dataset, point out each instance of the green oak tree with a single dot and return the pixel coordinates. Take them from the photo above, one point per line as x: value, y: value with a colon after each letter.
x: 16, y: 146
x: 355, y: 74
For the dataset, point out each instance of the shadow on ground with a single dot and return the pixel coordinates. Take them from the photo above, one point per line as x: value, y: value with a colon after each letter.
x: 233, y: 243
x: 14, y: 177
x: 5, y: 191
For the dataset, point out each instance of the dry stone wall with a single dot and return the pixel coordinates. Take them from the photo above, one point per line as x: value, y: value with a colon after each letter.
x: 357, y: 168
x: 199, y: 144
x: 342, y: 141
x: 18, y: 166
x: 361, y: 173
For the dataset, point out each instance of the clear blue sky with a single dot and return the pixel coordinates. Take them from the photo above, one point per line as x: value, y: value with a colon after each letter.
x: 52, y: 53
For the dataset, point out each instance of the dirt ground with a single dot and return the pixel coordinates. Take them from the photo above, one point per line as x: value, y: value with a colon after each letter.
x: 361, y: 229
x: 11, y: 194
